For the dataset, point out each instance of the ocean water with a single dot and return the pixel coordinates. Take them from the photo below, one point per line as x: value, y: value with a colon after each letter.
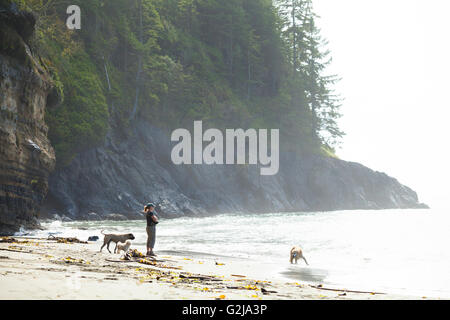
x: 393, y: 251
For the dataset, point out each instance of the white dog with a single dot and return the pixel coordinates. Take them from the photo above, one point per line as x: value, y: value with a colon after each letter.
x: 124, y: 247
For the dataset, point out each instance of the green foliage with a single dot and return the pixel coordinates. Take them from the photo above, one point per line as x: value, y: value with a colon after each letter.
x: 234, y: 63
x: 81, y: 121
x: 308, y: 60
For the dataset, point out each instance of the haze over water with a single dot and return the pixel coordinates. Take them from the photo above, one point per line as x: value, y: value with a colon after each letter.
x: 393, y: 60
x: 394, y: 251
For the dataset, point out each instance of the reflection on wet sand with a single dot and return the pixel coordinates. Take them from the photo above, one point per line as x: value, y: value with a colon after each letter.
x: 305, y: 273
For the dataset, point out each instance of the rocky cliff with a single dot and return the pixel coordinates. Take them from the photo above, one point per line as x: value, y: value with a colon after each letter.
x: 121, y: 177
x: 26, y: 156
x: 115, y: 180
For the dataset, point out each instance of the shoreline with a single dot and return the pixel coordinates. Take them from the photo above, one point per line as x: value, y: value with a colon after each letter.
x: 36, y: 268
x: 127, y: 216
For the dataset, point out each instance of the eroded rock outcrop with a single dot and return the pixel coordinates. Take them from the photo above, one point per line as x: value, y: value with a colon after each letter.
x: 26, y: 155
x: 121, y: 176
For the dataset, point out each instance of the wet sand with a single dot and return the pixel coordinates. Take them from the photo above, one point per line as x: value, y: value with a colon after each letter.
x: 33, y: 268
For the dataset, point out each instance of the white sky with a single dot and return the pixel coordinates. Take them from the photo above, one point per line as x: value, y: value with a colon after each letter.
x: 394, y: 58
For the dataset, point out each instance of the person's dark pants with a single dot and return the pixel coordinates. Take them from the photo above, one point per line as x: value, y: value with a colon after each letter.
x: 151, y: 236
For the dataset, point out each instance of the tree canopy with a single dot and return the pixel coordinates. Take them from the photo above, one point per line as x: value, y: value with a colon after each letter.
x: 234, y: 63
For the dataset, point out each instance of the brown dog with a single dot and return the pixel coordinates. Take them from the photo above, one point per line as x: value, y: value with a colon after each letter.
x: 115, y: 238
x: 297, y: 253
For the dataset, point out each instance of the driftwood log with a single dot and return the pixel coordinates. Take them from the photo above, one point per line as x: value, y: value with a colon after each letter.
x: 65, y: 240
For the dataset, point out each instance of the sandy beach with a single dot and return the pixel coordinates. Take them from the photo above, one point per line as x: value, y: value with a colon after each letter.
x: 33, y: 268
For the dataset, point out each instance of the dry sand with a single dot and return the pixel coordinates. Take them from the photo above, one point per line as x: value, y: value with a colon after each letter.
x: 45, y: 269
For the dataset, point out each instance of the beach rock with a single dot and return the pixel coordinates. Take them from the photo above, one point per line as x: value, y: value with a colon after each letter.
x: 122, y: 176
x: 93, y: 238
x: 26, y: 156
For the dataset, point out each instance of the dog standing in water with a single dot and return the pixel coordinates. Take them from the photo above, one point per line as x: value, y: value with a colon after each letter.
x: 297, y: 253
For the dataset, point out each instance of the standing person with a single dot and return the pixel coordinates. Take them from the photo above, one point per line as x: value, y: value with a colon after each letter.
x: 152, y: 221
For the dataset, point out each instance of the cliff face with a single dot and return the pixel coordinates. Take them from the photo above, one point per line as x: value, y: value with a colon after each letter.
x: 26, y: 156
x: 121, y: 177
x: 123, y: 174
